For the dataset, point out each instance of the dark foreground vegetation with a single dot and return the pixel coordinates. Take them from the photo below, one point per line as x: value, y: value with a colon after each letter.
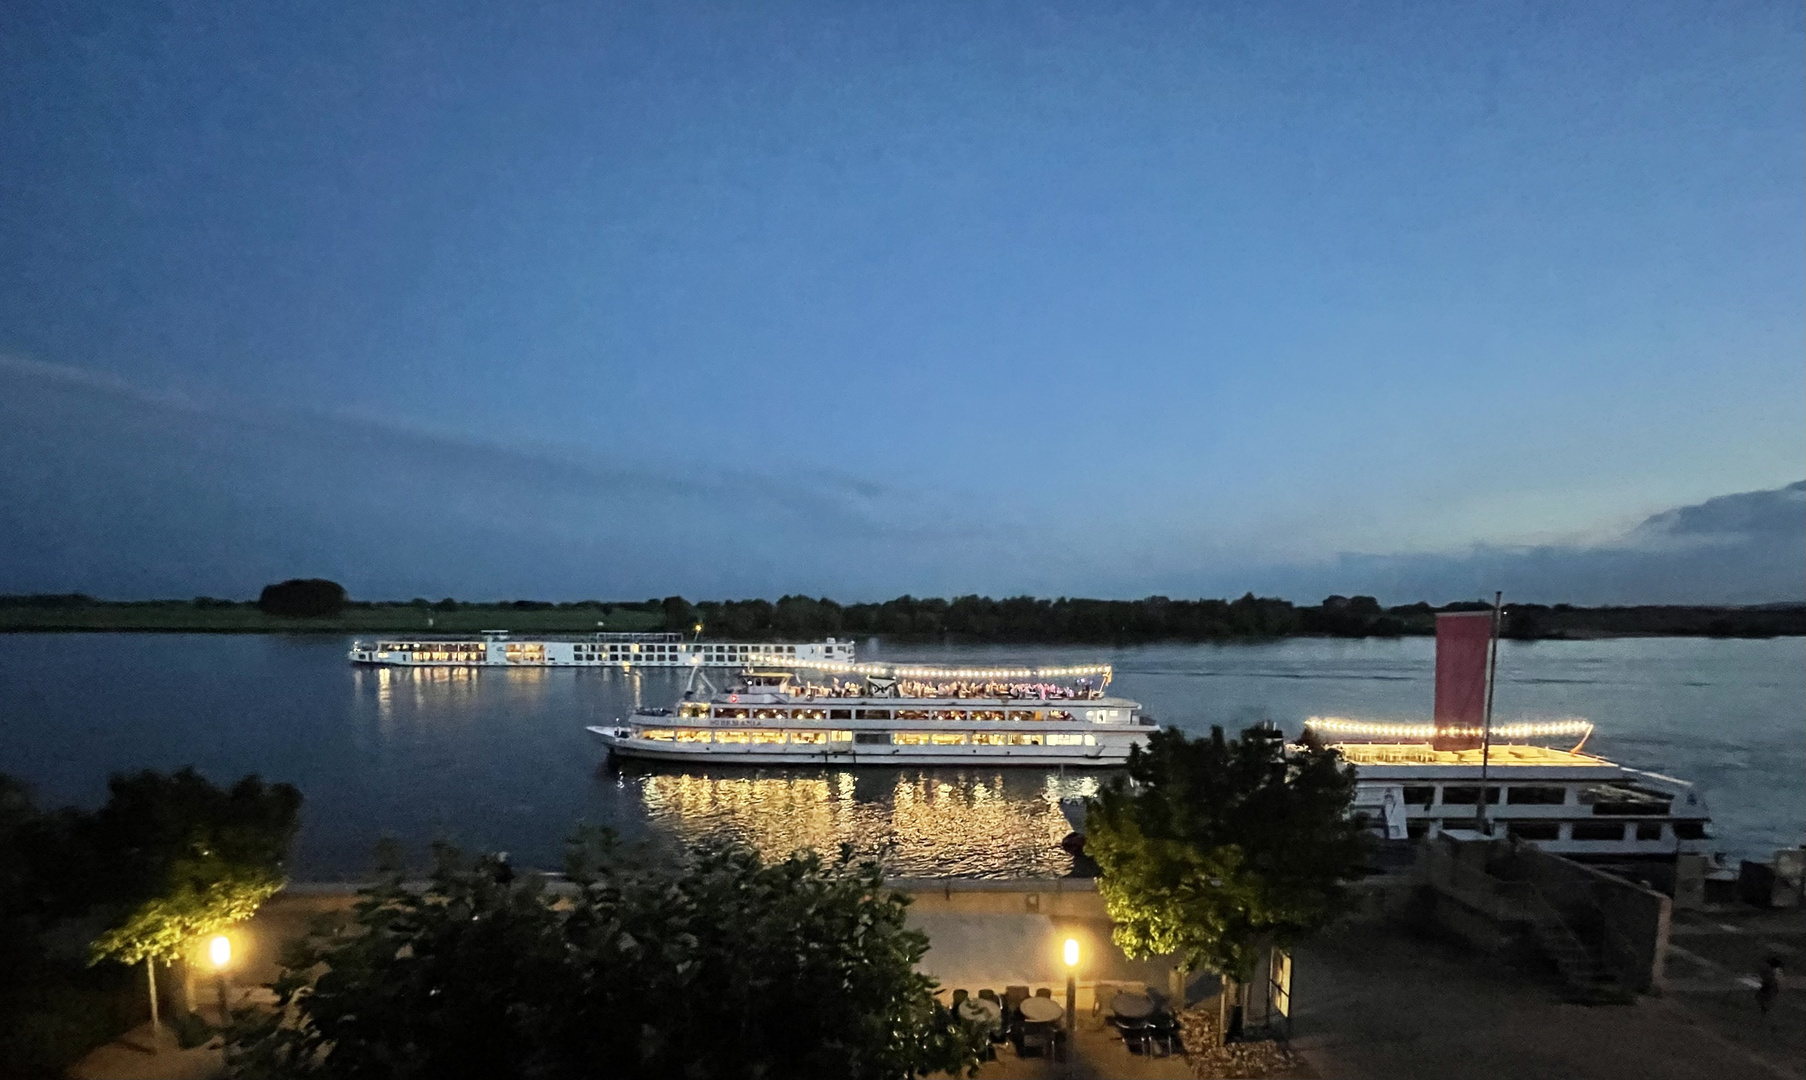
x: 322, y: 606
x: 715, y: 964
x: 90, y: 901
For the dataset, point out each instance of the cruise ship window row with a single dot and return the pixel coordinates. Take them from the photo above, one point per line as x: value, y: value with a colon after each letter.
x: 747, y: 736
x: 749, y: 712
x: 1584, y: 831
x: 1608, y: 799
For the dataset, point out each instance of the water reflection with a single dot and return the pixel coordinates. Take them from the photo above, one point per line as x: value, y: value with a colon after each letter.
x: 931, y: 822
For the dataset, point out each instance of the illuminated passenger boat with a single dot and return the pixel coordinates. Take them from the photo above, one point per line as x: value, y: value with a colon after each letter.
x: 496, y: 648
x: 875, y: 714
x: 1564, y: 801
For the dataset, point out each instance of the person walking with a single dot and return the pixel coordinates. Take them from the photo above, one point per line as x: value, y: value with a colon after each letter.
x: 1769, y: 988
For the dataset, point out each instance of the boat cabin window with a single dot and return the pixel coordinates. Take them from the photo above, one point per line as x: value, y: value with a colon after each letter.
x: 989, y: 738
x: 873, y: 738
x: 910, y: 738
x: 912, y: 714
x: 1689, y: 830
x: 1536, y: 796
x: 1019, y: 739
x: 840, y: 714
x: 724, y: 712
x: 1624, y: 799
x: 1649, y: 830
x: 874, y: 714
x: 811, y: 737
x: 692, y: 710
x: 1070, y: 738
x: 659, y: 734
x: 693, y: 735
x: 1598, y: 830
x: 1534, y: 830
x: 810, y: 714
x: 1420, y: 794
x: 1468, y: 796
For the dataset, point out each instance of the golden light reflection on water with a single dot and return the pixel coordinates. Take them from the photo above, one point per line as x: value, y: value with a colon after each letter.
x: 928, y: 823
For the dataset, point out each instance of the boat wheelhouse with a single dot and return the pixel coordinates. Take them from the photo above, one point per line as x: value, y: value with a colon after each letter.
x: 876, y: 714
x: 1566, y: 802
x: 497, y: 648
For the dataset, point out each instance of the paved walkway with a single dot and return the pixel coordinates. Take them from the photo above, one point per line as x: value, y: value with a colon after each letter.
x: 1097, y: 1052
x: 1374, y: 1001
x: 135, y: 1056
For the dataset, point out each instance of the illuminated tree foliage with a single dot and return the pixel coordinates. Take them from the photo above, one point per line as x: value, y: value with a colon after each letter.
x: 713, y: 965
x: 1212, y: 848
x: 188, y: 858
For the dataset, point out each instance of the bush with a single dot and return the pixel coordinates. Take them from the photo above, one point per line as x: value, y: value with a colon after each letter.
x: 713, y: 965
x: 305, y: 597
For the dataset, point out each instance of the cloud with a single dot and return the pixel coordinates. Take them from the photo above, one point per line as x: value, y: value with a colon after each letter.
x: 1745, y: 548
x: 115, y: 490
x: 111, y: 489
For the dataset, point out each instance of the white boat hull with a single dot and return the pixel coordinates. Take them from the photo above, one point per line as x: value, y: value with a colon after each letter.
x: 852, y: 754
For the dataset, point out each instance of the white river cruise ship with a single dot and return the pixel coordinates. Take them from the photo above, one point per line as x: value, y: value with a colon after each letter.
x: 877, y: 714
x: 1565, y: 801
x: 497, y: 648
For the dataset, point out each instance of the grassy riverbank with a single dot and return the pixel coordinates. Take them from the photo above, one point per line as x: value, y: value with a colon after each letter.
x: 967, y: 619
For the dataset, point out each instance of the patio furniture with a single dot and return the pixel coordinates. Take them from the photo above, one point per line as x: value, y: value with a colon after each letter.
x: 988, y: 994
x: 987, y: 1015
x: 1044, y: 991
x: 1134, y: 1034
x: 959, y: 998
x: 1013, y: 997
x: 1132, y: 1006
x: 1041, y: 1010
x: 1163, y: 1033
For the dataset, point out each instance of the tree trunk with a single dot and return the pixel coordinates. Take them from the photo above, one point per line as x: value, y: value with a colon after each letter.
x: 187, y: 985
x: 1225, y: 987
x: 150, y: 977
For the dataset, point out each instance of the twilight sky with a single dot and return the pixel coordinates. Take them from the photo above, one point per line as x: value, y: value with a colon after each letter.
x: 617, y: 300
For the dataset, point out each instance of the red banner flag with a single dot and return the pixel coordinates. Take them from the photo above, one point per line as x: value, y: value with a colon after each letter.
x: 1461, y: 652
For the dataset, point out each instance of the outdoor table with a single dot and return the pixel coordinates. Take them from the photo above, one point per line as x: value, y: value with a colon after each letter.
x: 989, y: 1014
x: 1133, y: 1006
x: 1040, y: 1010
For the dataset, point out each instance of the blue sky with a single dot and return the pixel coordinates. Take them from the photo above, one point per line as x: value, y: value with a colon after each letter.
x: 578, y: 299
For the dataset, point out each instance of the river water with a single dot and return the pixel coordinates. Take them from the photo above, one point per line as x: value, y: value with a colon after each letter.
x: 499, y: 759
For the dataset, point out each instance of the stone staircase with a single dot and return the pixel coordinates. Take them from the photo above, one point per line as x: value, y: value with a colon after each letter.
x: 1582, y: 968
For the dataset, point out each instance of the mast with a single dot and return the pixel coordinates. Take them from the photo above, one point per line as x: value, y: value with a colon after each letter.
x: 1492, y: 675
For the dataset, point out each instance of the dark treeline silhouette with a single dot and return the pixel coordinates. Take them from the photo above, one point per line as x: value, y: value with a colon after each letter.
x: 1020, y: 619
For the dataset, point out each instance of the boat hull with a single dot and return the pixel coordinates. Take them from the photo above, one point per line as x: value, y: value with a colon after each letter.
x: 845, y: 755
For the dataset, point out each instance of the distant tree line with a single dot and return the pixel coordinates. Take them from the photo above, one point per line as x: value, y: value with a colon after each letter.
x: 1024, y: 619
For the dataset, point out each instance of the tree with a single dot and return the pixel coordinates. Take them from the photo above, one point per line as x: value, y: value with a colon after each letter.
x: 306, y: 597
x: 714, y: 965
x: 189, y: 860
x: 679, y: 615
x: 1211, y: 849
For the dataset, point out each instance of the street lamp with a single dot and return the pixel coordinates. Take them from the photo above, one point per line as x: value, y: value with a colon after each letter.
x: 219, y: 950
x: 1072, y: 986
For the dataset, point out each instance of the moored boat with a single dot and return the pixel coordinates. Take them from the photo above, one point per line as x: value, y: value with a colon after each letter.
x: 498, y: 648
x: 876, y: 714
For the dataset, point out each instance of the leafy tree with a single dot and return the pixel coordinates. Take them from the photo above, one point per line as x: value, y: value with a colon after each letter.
x: 715, y: 965
x: 303, y: 597
x: 680, y: 616
x: 1211, y: 849
x: 188, y: 859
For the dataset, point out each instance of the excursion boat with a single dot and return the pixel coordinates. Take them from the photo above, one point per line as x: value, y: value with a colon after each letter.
x: 878, y: 714
x: 497, y: 648
x: 1567, y: 802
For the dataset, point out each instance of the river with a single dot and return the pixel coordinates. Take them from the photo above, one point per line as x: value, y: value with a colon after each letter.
x: 498, y: 759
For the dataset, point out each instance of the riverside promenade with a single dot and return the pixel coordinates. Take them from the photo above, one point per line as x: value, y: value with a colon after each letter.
x: 1372, y: 999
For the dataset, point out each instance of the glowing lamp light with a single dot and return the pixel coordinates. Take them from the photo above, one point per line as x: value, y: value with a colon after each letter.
x: 1072, y: 952
x: 219, y: 950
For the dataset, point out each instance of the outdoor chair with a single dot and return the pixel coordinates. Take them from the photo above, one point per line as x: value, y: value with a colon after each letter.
x: 959, y: 998
x: 1163, y: 1033
x: 1045, y: 991
x: 988, y: 994
x: 1034, y: 1040
x: 1013, y: 996
x: 1134, y: 1034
